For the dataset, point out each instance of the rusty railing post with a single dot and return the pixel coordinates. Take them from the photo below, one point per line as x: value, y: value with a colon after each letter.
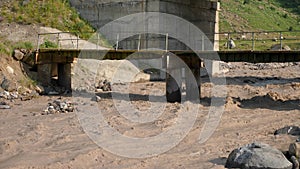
x: 280, y: 33
x: 58, y: 40
x: 253, y: 44
x: 38, y: 43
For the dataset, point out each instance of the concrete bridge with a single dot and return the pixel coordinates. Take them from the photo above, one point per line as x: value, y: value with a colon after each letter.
x: 202, y: 14
x: 60, y: 60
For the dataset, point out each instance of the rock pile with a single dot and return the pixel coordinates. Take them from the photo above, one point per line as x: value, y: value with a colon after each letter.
x: 28, y: 95
x: 59, y: 106
x: 258, y: 66
x: 9, y: 95
x: 103, y: 85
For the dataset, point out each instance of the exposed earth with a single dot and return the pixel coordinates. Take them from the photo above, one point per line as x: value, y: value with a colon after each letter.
x: 261, y: 99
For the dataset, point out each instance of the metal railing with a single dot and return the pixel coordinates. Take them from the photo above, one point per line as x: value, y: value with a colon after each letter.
x: 74, y: 40
x: 260, y: 40
x: 256, y: 40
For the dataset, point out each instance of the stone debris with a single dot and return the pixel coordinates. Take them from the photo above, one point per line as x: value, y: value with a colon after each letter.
x: 59, y: 106
x: 103, y: 85
x: 4, y: 105
x: 258, y: 156
x: 97, y: 98
x: 9, y: 95
x: 258, y: 66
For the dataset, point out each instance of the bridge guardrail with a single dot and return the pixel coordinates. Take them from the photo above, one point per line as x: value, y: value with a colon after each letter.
x: 255, y: 40
x: 260, y: 40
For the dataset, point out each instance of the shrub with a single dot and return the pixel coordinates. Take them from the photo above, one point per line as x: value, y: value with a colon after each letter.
x: 48, y: 44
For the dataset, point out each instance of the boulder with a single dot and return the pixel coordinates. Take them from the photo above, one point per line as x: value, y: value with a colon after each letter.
x: 231, y: 44
x: 295, y: 162
x: 257, y: 156
x: 277, y: 47
x: 10, y: 70
x: 290, y: 130
x: 294, y: 149
x: 9, y: 85
x: 18, y: 55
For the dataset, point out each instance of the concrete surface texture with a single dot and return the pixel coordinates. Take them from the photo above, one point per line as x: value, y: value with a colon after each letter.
x: 203, y: 14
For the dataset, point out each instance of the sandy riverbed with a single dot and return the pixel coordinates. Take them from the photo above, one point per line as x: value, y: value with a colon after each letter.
x: 258, y: 103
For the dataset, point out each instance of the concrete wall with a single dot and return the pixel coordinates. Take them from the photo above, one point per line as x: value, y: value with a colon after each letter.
x: 202, y: 13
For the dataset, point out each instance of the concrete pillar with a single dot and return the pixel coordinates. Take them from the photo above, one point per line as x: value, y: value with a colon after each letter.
x: 44, y: 74
x: 64, y: 75
x: 173, y: 78
x: 193, y: 90
x: 213, y: 67
x: 173, y: 85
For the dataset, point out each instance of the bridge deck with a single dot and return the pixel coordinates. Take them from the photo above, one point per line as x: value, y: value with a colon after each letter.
x: 48, y: 56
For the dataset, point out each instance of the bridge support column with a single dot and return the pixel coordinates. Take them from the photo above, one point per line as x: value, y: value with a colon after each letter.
x: 175, y: 77
x: 173, y: 85
x: 212, y: 67
x: 44, y: 74
x: 64, y: 75
x: 193, y: 91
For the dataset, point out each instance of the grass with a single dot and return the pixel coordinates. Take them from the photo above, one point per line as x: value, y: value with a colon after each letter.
x: 49, y: 44
x: 51, y: 13
x: 260, y: 15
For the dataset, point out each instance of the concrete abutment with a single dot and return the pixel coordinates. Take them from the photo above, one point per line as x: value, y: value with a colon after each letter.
x: 62, y: 71
x: 201, y: 13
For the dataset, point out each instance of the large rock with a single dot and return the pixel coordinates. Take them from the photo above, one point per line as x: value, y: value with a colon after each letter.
x: 9, y: 85
x: 277, y: 47
x: 294, y: 149
x: 290, y: 130
x: 257, y: 156
x: 18, y: 55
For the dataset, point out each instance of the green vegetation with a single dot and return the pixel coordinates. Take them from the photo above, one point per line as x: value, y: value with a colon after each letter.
x: 258, y: 15
x: 52, y: 13
x: 23, y: 45
x: 235, y: 16
x: 49, y: 44
x: 4, y: 49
